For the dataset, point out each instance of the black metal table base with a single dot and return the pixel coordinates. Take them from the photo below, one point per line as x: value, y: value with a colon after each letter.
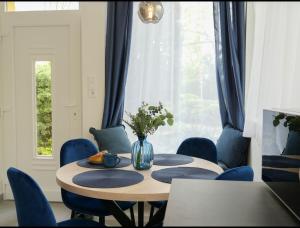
x: 140, y: 214
x: 158, y: 217
x: 124, y: 220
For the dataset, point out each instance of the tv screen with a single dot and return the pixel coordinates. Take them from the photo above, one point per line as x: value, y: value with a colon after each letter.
x: 281, y: 156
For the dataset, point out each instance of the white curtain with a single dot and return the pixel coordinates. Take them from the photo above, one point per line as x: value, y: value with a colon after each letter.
x: 273, y: 72
x: 173, y: 62
x: 273, y: 79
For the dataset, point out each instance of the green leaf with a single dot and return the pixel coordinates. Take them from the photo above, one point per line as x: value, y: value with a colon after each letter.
x: 170, y: 121
x: 276, y: 122
x: 280, y: 116
x: 169, y: 115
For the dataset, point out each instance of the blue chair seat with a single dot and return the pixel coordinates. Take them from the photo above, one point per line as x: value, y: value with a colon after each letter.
x: 158, y: 204
x: 93, y: 206
x: 243, y: 173
x: 78, y: 223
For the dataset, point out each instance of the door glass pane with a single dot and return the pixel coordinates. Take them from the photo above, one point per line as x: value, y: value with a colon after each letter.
x: 40, y: 6
x: 43, y: 107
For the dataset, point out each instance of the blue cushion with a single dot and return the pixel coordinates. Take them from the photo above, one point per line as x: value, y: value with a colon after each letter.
x: 293, y: 144
x: 232, y: 147
x: 114, y: 139
x: 78, y: 223
x: 243, y: 173
x: 32, y: 206
x: 200, y: 148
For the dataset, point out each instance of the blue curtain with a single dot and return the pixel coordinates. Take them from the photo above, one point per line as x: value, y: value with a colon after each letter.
x: 230, y: 34
x: 118, y: 37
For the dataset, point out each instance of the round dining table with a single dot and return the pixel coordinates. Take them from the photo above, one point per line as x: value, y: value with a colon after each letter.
x: 147, y: 190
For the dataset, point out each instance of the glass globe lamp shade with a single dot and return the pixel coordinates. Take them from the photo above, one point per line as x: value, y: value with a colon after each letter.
x: 150, y: 12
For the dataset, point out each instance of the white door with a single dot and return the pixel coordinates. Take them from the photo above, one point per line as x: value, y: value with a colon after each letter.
x: 42, y: 92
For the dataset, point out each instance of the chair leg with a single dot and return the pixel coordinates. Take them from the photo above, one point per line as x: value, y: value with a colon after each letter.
x: 132, y: 216
x: 102, y: 220
x: 151, y: 212
x: 72, y: 214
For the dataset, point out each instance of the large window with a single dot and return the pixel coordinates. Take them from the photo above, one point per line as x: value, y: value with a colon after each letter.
x: 174, y: 62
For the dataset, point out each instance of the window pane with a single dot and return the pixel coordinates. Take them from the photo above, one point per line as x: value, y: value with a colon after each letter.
x: 174, y: 62
x: 43, y: 107
x: 41, y: 6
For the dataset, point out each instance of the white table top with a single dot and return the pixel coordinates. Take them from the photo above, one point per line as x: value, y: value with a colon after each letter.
x: 147, y: 190
x: 224, y: 203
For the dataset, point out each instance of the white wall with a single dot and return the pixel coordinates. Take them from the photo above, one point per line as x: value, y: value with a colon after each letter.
x: 1, y: 138
x: 1, y: 123
x: 93, y: 26
x: 273, y: 60
x: 93, y: 58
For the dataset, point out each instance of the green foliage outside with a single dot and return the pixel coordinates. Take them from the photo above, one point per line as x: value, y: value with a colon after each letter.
x: 44, y: 111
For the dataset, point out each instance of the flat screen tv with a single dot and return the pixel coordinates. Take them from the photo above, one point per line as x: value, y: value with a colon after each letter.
x: 281, y: 156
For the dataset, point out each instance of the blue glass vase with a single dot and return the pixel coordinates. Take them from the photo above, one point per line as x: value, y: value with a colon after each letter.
x: 142, y: 154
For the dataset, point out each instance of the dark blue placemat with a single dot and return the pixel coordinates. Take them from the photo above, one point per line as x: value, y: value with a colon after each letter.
x: 166, y: 175
x: 279, y: 161
x: 275, y: 175
x: 84, y: 163
x: 171, y: 159
x: 113, y: 178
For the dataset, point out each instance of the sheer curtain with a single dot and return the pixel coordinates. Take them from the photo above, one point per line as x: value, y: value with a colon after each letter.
x: 173, y: 62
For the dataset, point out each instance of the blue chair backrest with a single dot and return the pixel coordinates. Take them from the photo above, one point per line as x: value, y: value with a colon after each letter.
x: 76, y: 149
x: 200, y: 148
x: 243, y: 173
x: 32, y: 206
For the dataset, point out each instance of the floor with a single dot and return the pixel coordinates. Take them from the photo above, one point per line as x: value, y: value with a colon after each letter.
x: 8, y: 213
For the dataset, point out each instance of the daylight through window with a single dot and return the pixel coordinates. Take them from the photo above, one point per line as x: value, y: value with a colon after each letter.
x: 174, y: 62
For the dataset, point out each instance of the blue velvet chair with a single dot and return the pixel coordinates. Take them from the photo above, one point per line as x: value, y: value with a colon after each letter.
x: 74, y: 150
x: 243, y: 173
x: 32, y: 206
x: 195, y: 147
x: 199, y: 148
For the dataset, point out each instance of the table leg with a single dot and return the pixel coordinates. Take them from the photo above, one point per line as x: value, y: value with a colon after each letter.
x: 158, y: 218
x: 124, y: 220
x: 140, y: 214
x: 118, y: 213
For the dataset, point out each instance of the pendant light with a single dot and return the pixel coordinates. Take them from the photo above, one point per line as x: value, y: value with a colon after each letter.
x: 150, y: 12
